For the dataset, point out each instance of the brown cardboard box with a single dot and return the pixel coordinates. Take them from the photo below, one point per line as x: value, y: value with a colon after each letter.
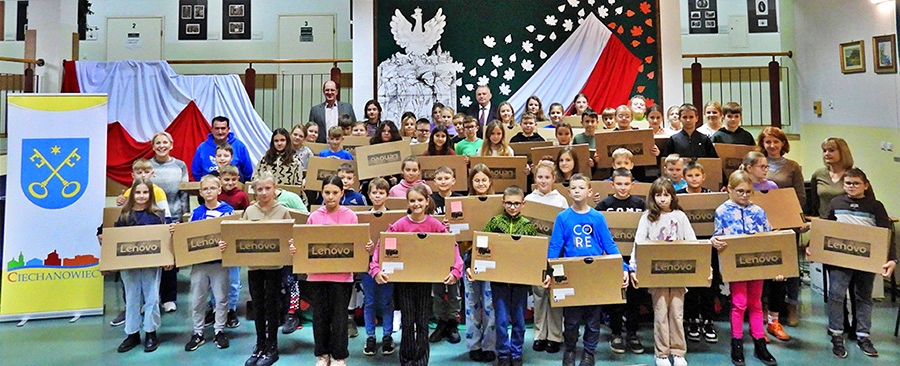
x: 582, y: 153
x: 321, y: 168
x: 331, y: 248
x: 316, y: 147
x: 579, y: 281
x: 352, y: 142
x: 469, y: 213
x: 623, y: 226
x: 396, y: 203
x: 192, y: 188
x: 299, y: 217
x: 110, y: 216
x: 541, y: 215
x: 638, y: 142
x: 673, y: 264
x: 508, y: 258
x: 507, y: 171
x: 510, y: 132
x: 782, y: 207
x: 379, y: 221
x: 574, y: 121
x: 428, y: 165
x: 660, y: 142
x: 418, y: 149
x: 700, y: 209
x: 381, y: 160
x: 863, y: 248
x: 524, y: 148
x: 549, y: 134
x: 732, y: 156
x: 257, y: 243
x: 198, y: 241
x: 130, y: 247
x: 760, y: 256
x: 412, y: 257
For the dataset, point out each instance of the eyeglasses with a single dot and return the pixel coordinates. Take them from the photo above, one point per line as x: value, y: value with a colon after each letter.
x: 424, y: 131
x: 511, y: 204
x: 743, y: 192
x: 853, y: 184
x: 471, y: 127
x: 762, y: 166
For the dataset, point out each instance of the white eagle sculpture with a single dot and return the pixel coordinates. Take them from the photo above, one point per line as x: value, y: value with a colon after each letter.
x: 417, y: 39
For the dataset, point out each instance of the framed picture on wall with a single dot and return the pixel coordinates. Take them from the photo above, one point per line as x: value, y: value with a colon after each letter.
x: 884, y: 52
x: 199, y: 11
x: 853, y: 57
x: 187, y: 11
x: 236, y: 10
x: 192, y: 28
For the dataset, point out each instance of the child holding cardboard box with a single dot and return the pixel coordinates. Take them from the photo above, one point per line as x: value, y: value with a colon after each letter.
x: 480, y: 320
x: 446, y: 297
x: 348, y: 177
x: 528, y: 123
x: 375, y: 295
x: 622, y: 200
x: 665, y: 221
x: 412, y: 175
x: 589, y: 121
x: 738, y: 215
x: 413, y: 298
x: 211, y: 275
x: 856, y: 207
x: 509, y: 299
x: 335, y: 140
x: 581, y: 231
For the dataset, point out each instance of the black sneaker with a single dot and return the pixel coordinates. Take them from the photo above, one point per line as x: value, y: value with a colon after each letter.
x: 369, y: 350
x: 866, y: 346
x: 476, y: 355
x: 540, y: 345
x: 268, y: 358
x: 709, y: 332
x: 488, y: 356
x: 118, y: 320
x: 291, y: 321
x: 634, y: 344
x: 617, y: 343
x: 210, y: 318
x: 569, y: 357
x: 553, y: 347
x: 232, y: 320
x: 195, y: 342
x: 221, y: 340
x: 693, y: 330
x: 131, y: 341
x: 257, y: 353
x: 387, y: 345
x: 837, y: 346
x: 587, y: 359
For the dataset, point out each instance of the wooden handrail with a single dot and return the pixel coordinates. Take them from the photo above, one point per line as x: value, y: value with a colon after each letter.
x: 39, y: 62
x: 728, y: 55
x: 275, y: 61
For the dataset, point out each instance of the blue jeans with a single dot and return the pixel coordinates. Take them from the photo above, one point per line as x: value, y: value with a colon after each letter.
x: 378, y: 296
x: 573, y: 317
x: 509, y: 306
x: 838, y: 281
x: 141, y: 291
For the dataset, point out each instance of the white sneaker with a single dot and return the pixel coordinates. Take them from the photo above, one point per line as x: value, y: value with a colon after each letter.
x: 342, y: 362
x: 323, y: 360
x: 663, y: 361
x: 679, y: 361
x: 169, y: 306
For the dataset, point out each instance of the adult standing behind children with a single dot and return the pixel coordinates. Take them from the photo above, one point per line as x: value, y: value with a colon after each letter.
x: 168, y: 173
x: 327, y: 114
x: 204, y: 161
x: 483, y: 111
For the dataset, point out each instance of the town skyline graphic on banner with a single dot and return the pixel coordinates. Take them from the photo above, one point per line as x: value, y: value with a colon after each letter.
x: 442, y: 50
x: 55, y: 170
x: 52, y: 260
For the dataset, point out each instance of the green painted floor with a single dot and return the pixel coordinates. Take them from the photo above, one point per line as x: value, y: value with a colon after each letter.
x: 91, y: 341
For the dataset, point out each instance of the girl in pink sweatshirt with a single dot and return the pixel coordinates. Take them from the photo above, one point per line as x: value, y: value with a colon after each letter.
x: 414, y: 299
x: 412, y: 175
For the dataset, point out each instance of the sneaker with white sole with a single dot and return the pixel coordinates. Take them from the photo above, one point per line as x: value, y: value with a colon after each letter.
x: 118, y: 320
x: 195, y: 342
x: 663, y: 361
x: 679, y: 361
x: 323, y: 360
x: 169, y: 306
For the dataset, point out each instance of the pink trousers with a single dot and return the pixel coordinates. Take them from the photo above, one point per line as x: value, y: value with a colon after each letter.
x: 747, y: 295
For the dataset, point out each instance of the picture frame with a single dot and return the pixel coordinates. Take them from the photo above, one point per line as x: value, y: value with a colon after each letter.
x: 192, y: 28
x: 235, y: 27
x: 199, y: 11
x: 187, y: 12
x: 853, y: 57
x: 884, y: 54
x: 235, y: 10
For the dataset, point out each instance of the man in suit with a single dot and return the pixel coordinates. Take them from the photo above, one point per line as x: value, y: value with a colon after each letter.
x: 483, y: 111
x: 327, y: 114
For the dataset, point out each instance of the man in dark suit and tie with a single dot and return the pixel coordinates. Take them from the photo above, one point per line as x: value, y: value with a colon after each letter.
x: 483, y: 111
x: 327, y: 114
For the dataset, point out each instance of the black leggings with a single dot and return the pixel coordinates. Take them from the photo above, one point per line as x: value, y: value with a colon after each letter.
x: 699, y: 302
x: 329, y: 306
x: 265, y: 290
x: 413, y: 300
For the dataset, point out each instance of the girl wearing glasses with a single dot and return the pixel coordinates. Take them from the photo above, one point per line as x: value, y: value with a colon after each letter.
x: 756, y: 165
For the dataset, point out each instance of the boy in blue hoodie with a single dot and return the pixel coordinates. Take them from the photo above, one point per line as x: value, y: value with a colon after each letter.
x: 581, y: 231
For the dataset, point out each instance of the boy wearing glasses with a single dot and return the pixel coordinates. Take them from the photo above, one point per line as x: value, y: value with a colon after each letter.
x: 472, y: 143
x: 509, y: 299
x: 423, y: 129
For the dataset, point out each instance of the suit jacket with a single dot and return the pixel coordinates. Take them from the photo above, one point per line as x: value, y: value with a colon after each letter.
x: 475, y: 109
x: 317, y: 115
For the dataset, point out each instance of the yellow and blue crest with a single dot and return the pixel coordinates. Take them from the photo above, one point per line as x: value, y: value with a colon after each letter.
x: 55, y: 171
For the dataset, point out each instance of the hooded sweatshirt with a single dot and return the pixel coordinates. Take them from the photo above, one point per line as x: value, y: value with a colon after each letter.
x: 205, y: 158
x: 400, y: 189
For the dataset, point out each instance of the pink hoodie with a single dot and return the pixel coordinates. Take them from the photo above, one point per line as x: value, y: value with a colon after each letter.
x: 400, y: 189
x: 405, y: 225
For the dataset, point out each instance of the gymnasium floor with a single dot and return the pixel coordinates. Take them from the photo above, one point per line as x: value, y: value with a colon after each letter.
x: 91, y: 341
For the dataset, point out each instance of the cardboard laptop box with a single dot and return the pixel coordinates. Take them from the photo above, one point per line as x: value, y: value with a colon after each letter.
x: 429, y: 164
x: 680, y: 263
x: 466, y: 214
x: 549, y: 134
x: 352, y: 142
x: 782, y: 207
x: 317, y: 147
x: 417, y: 257
x: 507, y: 170
x: 574, y: 121
x: 396, y: 203
x: 542, y: 216
x: 257, y: 243
x: 320, y: 168
x: 859, y: 247
x: 198, y: 241
x: 379, y: 221
x: 732, y: 156
x: 579, y: 281
x: 130, y: 247
x: 509, y: 258
x: 623, y: 226
x: 639, y: 142
x: 418, y: 149
x: 582, y: 153
x: 760, y: 256
x: 524, y: 148
x: 381, y: 160
x: 700, y: 209
x: 299, y: 217
x: 331, y: 248
x: 110, y: 216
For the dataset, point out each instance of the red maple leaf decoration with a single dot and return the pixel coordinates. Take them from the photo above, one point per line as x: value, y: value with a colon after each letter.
x: 648, y: 59
x: 650, y: 102
x: 650, y: 40
x: 636, y: 31
x: 611, y: 25
x: 649, y: 22
x: 629, y: 13
x: 645, y: 7
x: 620, y: 30
x: 635, y: 43
x: 640, y: 88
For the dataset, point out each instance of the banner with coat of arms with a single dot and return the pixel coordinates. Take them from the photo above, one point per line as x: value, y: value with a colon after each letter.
x: 55, y: 196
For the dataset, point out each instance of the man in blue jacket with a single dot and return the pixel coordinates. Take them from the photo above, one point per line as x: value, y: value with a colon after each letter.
x: 205, y: 157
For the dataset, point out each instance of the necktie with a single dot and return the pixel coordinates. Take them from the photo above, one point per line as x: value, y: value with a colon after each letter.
x: 481, y: 118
